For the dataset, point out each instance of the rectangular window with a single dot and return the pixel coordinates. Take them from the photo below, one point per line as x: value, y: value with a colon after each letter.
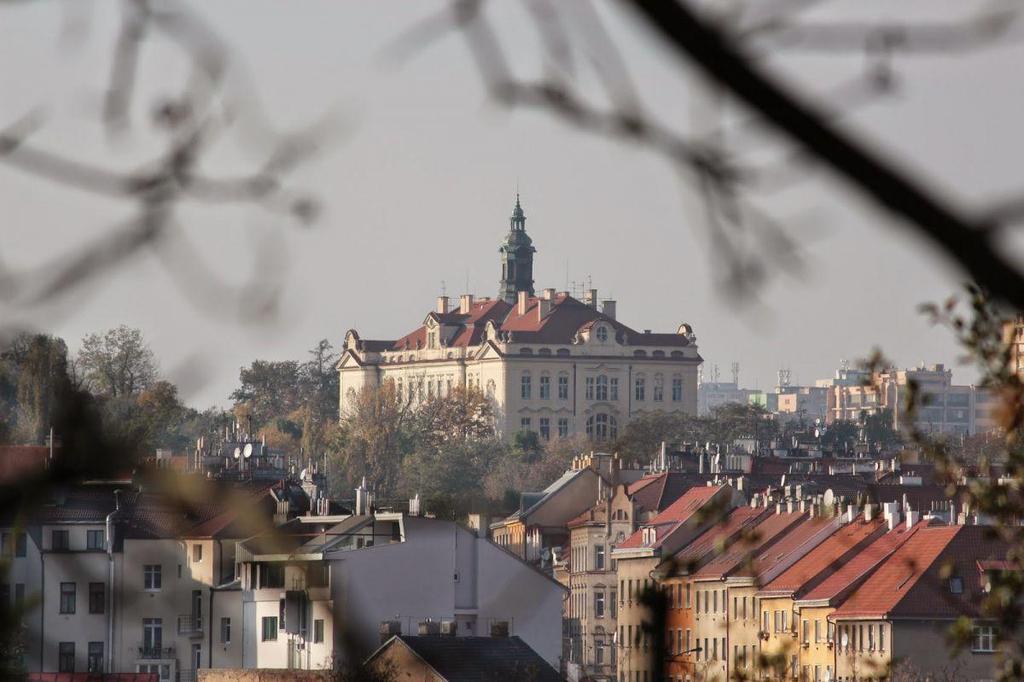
x: 563, y: 388
x: 563, y: 427
x: 687, y: 640
x: 984, y: 638
x: 95, y: 662
x: 806, y: 631
x: 599, y: 557
x: 545, y: 387
x: 830, y: 631
x: 881, y: 637
x: 525, y: 388
x: 590, y: 388
x: 152, y: 636
x: 714, y: 601
x: 68, y: 592
x: 318, y: 631
x: 545, y: 428
x: 6, y: 544
x: 687, y: 600
x: 66, y: 657
x: 94, y: 539
x: 599, y: 605
x: 677, y: 389
x: 871, y: 637
x: 20, y: 544
x: 524, y: 424
x: 613, y: 389
x: 225, y: 631
x: 817, y: 631
x: 639, y: 387
x: 60, y: 541
x: 659, y: 389
x: 152, y: 576
x: 270, y: 628
x: 197, y: 553
x: 97, y: 597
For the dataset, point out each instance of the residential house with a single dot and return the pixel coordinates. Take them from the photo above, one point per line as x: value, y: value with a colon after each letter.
x: 439, y: 658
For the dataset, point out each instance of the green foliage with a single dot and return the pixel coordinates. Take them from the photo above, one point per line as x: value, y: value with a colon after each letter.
x: 116, y: 363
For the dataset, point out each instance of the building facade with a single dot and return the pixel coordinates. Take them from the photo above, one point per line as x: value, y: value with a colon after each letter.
x: 553, y: 364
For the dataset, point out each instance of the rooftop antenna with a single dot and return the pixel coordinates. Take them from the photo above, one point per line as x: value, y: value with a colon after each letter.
x: 444, y: 289
x: 736, y: 374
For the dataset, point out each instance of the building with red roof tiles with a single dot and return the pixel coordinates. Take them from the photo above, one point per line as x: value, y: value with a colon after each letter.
x: 905, y: 609
x: 553, y: 364
x: 639, y: 556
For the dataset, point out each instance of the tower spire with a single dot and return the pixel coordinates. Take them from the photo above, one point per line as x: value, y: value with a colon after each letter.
x: 516, y: 257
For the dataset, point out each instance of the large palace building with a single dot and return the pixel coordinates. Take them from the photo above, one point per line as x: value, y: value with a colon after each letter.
x: 553, y: 364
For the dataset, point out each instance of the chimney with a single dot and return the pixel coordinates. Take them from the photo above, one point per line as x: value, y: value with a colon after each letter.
x: 543, y: 308
x: 608, y: 308
x: 523, y: 300
x: 590, y: 297
x: 912, y: 518
x: 851, y: 513
x: 465, y: 303
x: 549, y: 294
x: 442, y: 305
x: 414, y: 505
x: 869, y: 512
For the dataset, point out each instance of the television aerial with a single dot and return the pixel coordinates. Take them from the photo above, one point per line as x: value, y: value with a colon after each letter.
x: 248, y: 450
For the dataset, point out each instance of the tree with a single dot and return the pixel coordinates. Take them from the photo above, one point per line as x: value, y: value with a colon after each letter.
x: 460, y: 415
x: 268, y: 389
x: 116, y: 363
x: 42, y: 381
x: 378, y: 436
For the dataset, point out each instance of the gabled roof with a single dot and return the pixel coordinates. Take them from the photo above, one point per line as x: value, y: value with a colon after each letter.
x: 476, y: 659
x: 674, y: 516
x: 656, y: 492
x: 717, y: 538
x: 916, y: 581
x: 841, y: 579
x: 794, y: 543
x: 735, y: 559
x: 826, y: 558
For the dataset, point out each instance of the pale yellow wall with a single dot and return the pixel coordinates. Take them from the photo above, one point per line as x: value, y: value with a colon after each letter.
x: 710, y: 627
x: 743, y: 628
x: 633, y: 657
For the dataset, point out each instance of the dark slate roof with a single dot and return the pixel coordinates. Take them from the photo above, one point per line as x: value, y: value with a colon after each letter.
x: 480, y: 659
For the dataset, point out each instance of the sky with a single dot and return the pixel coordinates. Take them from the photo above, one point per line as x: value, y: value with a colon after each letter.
x: 418, y: 176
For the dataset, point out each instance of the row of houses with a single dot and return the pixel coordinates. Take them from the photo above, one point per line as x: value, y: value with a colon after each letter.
x: 119, y: 577
x: 757, y: 576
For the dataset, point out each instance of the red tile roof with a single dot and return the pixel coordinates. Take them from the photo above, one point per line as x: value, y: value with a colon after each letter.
x: 826, y: 558
x: 847, y: 576
x: 768, y: 530
x: 898, y: 575
x: 717, y: 538
x: 559, y: 326
x: 796, y: 542
x: 674, y: 516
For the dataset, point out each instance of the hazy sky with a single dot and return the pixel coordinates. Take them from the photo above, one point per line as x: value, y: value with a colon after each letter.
x: 418, y: 188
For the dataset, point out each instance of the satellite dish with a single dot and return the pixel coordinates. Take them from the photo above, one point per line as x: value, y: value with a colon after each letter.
x: 248, y: 450
x: 546, y: 554
x: 817, y: 433
x: 238, y: 452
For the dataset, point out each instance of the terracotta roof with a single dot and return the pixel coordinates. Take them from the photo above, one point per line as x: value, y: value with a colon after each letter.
x: 566, y: 317
x: 661, y: 490
x: 795, y: 542
x: 826, y: 557
x: 897, y: 577
x: 843, y: 578
x: 714, y: 540
x: 768, y: 529
x: 674, y: 516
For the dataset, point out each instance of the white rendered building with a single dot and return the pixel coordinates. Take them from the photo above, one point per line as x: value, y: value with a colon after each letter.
x: 553, y: 364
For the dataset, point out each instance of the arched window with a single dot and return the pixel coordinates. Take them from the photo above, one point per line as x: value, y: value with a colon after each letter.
x: 526, y: 351
x: 602, y: 386
x: 677, y: 353
x: 658, y: 354
x: 659, y: 388
x: 490, y: 388
x: 544, y: 351
x: 563, y: 386
x: 602, y: 334
x: 639, y: 354
x: 525, y: 387
x: 545, y: 386
x: 602, y: 427
x: 562, y: 352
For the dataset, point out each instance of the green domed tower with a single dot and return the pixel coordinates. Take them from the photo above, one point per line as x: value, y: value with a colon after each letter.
x: 516, y: 258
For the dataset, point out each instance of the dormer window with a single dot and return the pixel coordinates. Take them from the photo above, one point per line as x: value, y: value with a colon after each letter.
x: 956, y: 585
x: 602, y: 333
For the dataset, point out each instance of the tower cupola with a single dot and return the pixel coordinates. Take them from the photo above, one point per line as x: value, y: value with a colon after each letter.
x: 516, y: 258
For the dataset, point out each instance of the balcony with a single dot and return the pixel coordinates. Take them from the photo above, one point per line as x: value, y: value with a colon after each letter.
x: 191, y: 626
x: 156, y: 653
